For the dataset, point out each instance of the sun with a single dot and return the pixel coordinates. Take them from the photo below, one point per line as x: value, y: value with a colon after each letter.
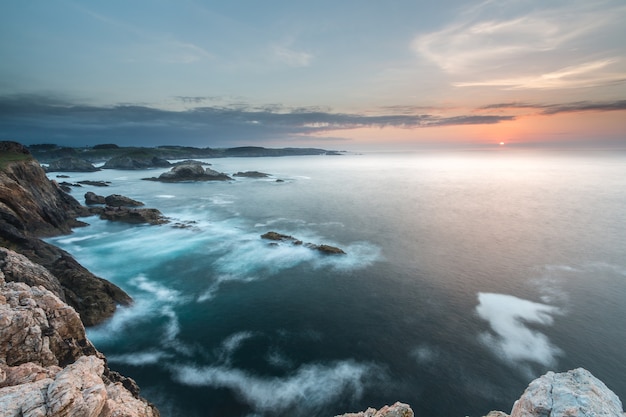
x: 501, y: 143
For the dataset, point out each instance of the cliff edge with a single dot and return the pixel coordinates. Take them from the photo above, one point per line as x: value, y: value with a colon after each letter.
x: 48, y: 367
x: 32, y: 206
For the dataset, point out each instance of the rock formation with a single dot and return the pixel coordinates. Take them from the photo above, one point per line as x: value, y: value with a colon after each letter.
x: 325, y: 249
x: 130, y: 215
x: 93, y: 198
x: 32, y: 206
x: 251, y: 174
x: 190, y: 172
x: 117, y: 200
x: 136, y: 160
x: 71, y: 164
x: 575, y: 393
x: 397, y: 410
x: 48, y: 367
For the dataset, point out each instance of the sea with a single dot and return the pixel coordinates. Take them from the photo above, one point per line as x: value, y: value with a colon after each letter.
x: 467, y: 274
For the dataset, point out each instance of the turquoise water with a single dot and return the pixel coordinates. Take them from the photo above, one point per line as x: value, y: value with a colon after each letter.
x: 467, y: 275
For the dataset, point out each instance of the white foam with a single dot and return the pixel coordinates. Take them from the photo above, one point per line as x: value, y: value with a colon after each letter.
x: 149, y: 357
x: 232, y: 343
x: 160, y: 292
x: 165, y: 196
x: 511, y: 340
x: 425, y: 354
x: 311, y: 386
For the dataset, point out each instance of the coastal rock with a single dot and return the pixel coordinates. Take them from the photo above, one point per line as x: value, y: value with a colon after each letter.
x: 190, y: 172
x: 31, y: 202
x: 190, y: 161
x: 136, y: 160
x: 575, y: 393
x: 396, y: 410
x: 325, y: 249
x: 117, y: 200
x: 93, y: 198
x: 47, y: 365
x: 32, y: 206
x: 95, y: 183
x: 71, y: 164
x: 251, y: 174
x: 130, y: 215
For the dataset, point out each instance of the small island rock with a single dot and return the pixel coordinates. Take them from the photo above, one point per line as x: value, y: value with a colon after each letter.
x: 71, y: 164
x: 251, y: 174
x: 117, y: 200
x: 93, y: 198
x: 190, y: 172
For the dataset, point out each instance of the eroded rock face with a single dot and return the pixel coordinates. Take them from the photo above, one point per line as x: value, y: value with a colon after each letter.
x: 575, y: 393
x: 47, y: 365
x: 397, y: 410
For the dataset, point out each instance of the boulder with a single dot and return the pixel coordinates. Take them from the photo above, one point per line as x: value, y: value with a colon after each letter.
x: 95, y: 183
x: 93, y: 198
x: 190, y: 172
x: 575, y: 393
x: 117, y: 200
x: 397, y: 410
x: 325, y: 249
x: 130, y: 215
x: 71, y: 164
x: 251, y: 174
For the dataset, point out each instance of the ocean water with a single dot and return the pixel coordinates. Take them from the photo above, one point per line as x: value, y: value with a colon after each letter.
x: 467, y: 275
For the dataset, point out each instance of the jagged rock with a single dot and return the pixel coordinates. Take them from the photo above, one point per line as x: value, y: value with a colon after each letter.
x: 136, y: 160
x: 116, y: 200
x: 190, y: 172
x: 130, y: 215
x: 575, y: 393
x: 47, y: 365
x: 17, y: 268
x: 325, y: 249
x: 32, y: 203
x: 251, y: 174
x: 397, y: 410
x: 95, y: 183
x: 71, y: 164
x: 93, y: 198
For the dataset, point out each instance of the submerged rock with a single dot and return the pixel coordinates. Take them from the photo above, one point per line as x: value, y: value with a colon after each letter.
x: 95, y: 183
x: 325, y: 249
x: 251, y: 174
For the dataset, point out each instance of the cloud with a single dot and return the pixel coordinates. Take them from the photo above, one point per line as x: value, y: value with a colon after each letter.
x: 551, y: 109
x: 570, y: 45
x: 292, y: 57
x: 33, y: 119
x: 514, y: 336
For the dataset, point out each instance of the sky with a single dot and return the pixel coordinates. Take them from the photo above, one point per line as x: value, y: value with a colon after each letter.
x: 336, y: 74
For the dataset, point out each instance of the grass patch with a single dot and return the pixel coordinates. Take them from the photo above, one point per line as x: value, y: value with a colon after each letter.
x: 9, y: 157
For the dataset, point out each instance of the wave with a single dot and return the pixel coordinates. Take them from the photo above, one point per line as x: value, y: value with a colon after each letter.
x: 511, y: 340
x: 309, y: 387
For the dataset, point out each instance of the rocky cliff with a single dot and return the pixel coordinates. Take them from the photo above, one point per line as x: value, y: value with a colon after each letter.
x: 32, y: 206
x: 48, y: 367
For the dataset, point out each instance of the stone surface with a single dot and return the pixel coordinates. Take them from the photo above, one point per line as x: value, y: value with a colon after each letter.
x: 190, y: 172
x: 575, y: 393
x: 93, y: 198
x: 396, y: 410
x: 48, y: 367
x: 251, y: 174
x: 130, y: 215
x: 71, y: 164
x: 325, y: 249
x: 117, y: 200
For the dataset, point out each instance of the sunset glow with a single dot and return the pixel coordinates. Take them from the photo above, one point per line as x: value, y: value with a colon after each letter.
x: 212, y: 74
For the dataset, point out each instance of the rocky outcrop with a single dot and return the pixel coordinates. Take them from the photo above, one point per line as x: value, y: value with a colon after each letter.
x: 136, y: 160
x: 397, y: 410
x: 130, y: 215
x: 32, y: 206
x: 575, y: 393
x: 117, y: 200
x: 95, y: 183
x: 190, y: 172
x: 93, y: 198
x: 251, y: 174
x: 71, y: 164
x: 325, y: 249
x: 48, y: 367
